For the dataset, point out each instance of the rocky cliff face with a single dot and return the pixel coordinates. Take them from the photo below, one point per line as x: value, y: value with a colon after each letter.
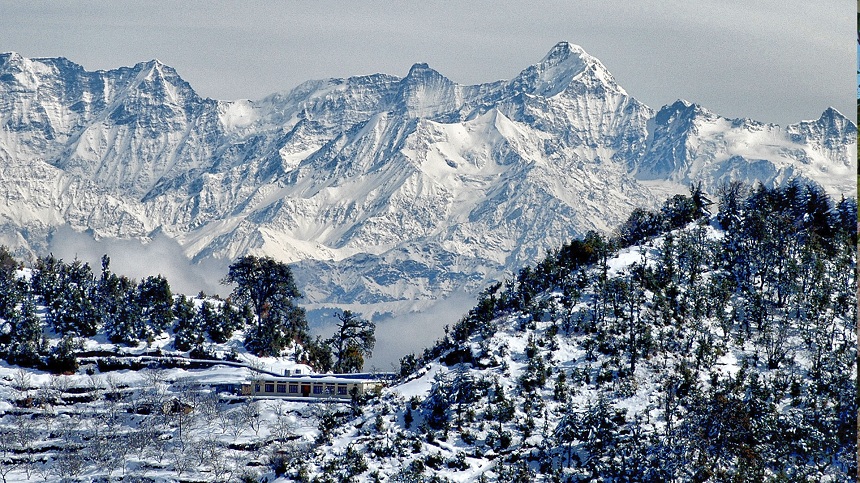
x: 378, y: 188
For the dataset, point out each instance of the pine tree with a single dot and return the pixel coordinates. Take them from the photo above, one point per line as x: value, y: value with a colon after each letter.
x: 352, y: 341
x: 11, y: 287
x: 268, y: 287
x: 222, y: 321
x: 700, y: 201
x: 156, y: 303
x: 730, y: 203
x: 678, y: 211
x: 188, y: 331
x: 317, y: 354
x: 120, y: 309
x: 77, y: 314
x: 66, y: 291
x: 844, y: 219
x: 25, y: 335
x: 640, y: 224
x: 45, y: 283
x: 63, y: 358
x: 438, y: 402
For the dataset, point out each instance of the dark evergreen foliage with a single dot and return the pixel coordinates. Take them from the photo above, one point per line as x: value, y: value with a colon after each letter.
x: 221, y: 322
x: 24, y: 343
x: 268, y: 287
x: 188, y: 333
x: 318, y: 355
x: 352, y: 341
x: 156, y: 304
x: 640, y: 225
x: 777, y: 286
x: 62, y: 359
x: 66, y: 292
x: 116, y: 305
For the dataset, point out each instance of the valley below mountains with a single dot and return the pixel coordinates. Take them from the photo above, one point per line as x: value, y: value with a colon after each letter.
x: 385, y: 191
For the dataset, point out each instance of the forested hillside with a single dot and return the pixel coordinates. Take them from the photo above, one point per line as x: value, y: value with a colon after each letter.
x: 689, y: 348
x: 711, y: 340
x: 56, y: 310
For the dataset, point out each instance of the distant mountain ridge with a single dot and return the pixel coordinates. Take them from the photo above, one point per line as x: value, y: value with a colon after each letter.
x: 380, y: 189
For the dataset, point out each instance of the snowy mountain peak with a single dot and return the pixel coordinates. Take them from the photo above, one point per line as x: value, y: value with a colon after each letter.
x: 421, y: 70
x: 562, y: 52
x: 9, y: 57
x: 690, y: 143
x: 833, y: 134
x: 564, y: 66
x: 372, y: 180
x: 680, y: 109
x: 18, y: 70
x: 426, y: 93
x: 832, y: 112
x: 17, y: 62
x: 834, y: 121
x: 156, y: 70
x: 683, y: 103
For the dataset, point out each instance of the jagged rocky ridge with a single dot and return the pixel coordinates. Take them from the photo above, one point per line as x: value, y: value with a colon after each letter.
x: 379, y: 188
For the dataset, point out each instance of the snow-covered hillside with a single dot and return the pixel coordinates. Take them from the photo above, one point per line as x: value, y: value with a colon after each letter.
x: 380, y: 189
x: 693, y: 355
x: 714, y: 348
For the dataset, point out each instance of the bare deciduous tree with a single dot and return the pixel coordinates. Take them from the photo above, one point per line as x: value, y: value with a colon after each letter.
x: 24, y: 431
x: 8, y: 459
x: 181, y: 460
x: 21, y: 383
x: 69, y: 462
x: 235, y: 423
x: 251, y: 415
x: 283, y: 426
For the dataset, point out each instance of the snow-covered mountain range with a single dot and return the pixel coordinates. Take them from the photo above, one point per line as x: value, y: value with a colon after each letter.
x: 380, y: 189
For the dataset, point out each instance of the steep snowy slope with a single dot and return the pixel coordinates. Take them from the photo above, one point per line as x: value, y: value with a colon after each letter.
x: 126, y: 129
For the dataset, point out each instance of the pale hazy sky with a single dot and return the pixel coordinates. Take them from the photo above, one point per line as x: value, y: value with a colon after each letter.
x: 774, y: 61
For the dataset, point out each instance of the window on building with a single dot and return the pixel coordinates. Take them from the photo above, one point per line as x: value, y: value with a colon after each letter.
x: 270, y: 388
x: 294, y: 388
x: 341, y: 390
x: 318, y: 389
x: 282, y: 388
x: 256, y: 388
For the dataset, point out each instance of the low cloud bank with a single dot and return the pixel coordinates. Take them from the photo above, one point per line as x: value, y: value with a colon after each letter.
x: 138, y: 260
x: 396, y: 336
x: 411, y: 333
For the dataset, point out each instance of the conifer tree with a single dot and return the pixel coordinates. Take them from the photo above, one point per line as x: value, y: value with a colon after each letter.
x: 352, y: 341
x: 156, y: 303
x: 119, y: 307
x: 11, y: 287
x: 317, y: 354
x: 220, y: 322
x: 188, y: 331
x: 45, y: 283
x: 25, y: 334
x: 268, y: 287
x: 63, y: 358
